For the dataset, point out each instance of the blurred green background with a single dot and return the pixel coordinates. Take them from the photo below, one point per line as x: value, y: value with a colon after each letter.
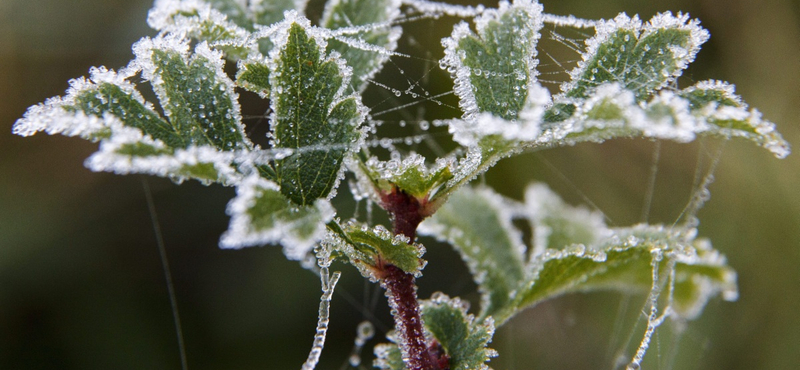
x: 81, y: 285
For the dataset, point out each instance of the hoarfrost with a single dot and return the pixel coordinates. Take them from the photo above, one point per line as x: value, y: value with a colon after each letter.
x: 323, y: 252
x: 297, y: 229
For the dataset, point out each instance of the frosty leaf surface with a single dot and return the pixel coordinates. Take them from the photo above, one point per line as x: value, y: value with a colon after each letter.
x: 370, y: 249
x: 573, y: 251
x: 195, y: 93
x: 199, y: 20
x: 486, y: 240
x: 261, y: 215
x: 623, y: 262
x: 641, y: 58
x: 556, y: 224
x: 495, y: 68
x: 195, y: 140
x: 375, y: 18
x: 708, y: 109
x: 411, y: 176
x: 388, y: 355
x: 253, y: 76
x: 463, y: 338
x: 311, y: 117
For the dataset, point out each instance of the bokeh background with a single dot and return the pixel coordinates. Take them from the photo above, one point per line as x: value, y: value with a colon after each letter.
x: 81, y: 284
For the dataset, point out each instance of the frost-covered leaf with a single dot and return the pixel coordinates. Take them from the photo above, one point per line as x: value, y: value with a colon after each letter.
x: 253, y: 75
x: 727, y: 116
x: 367, y: 47
x: 494, y: 69
x: 310, y: 116
x: 370, y: 249
x: 463, y: 338
x: 199, y: 20
x: 640, y: 58
x: 245, y: 14
x: 197, y: 138
x: 495, y: 75
x: 412, y: 176
x: 127, y: 151
x: 573, y: 251
x: 478, y: 223
x: 194, y: 91
x: 555, y: 224
x: 388, y: 355
x: 260, y: 215
x: 708, y: 108
x: 623, y: 262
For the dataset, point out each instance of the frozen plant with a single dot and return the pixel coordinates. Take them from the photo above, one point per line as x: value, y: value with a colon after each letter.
x: 313, y: 75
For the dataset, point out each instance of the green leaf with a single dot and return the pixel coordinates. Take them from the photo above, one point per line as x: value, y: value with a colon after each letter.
x: 195, y: 93
x: 123, y: 102
x: 202, y: 22
x: 310, y: 118
x: 573, y: 251
x: 129, y: 150
x: 411, y: 175
x: 261, y: 215
x: 388, y: 355
x: 478, y: 224
x: 715, y: 103
x: 369, y: 249
x: 267, y: 12
x: 640, y: 58
x: 556, y: 224
x: 623, y: 262
x: 253, y: 76
x: 368, y: 59
x: 197, y: 138
x: 708, y: 108
x: 463, y: 338
x: 494, y: 70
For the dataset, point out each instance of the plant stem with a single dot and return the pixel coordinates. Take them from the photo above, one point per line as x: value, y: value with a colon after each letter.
x: 401, y: 288
x: 402, y: 293
x: 405, y: 211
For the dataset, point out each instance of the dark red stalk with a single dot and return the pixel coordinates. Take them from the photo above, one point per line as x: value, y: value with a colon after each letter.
x: 405, y: 211
x: 401, y: 289
x: 402, y: 293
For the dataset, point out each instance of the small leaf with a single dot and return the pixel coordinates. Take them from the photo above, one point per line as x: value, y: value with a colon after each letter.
x: 411, y: 175
x: 127, y: 151
x: 377, y: 16
x: 495, y: 69
x: 196, y: 94
x: 370, y: 249
x: 726, y: 113
x: 388, y: 355
x: 640, y: 58
x: 260, y: 215
x: 310, y: 116
x: 463, y: 338
x: 477, y: 223
x: 202, y: 22
x: 555, y: 224
x: 253, y: 76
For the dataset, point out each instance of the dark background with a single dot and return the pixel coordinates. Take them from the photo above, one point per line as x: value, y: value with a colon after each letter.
x: 81, y: 285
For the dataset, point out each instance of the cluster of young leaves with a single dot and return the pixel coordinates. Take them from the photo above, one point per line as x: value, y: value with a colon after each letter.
x: 625, y: 86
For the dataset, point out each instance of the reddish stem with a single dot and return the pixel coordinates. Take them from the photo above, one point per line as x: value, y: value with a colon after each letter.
x: 402, y: 293
x: 401, y: 289
x: 405, y: 211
